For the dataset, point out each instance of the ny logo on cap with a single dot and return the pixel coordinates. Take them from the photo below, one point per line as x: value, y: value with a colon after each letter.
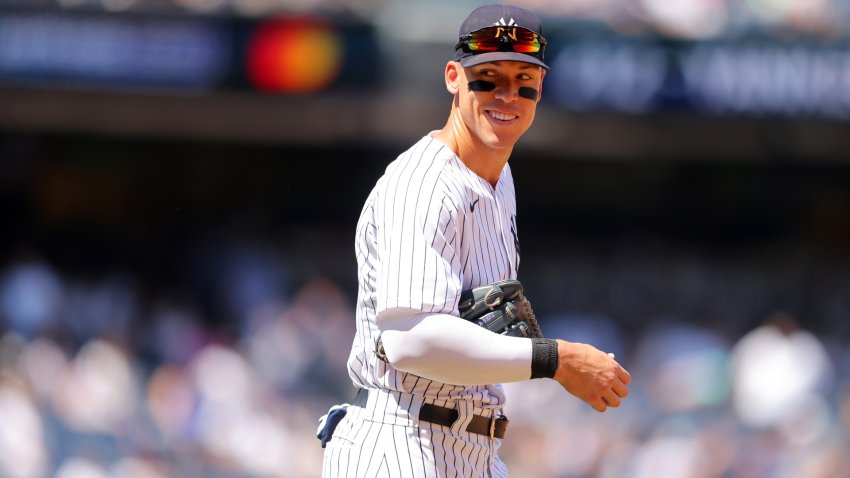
x: 504, y: 31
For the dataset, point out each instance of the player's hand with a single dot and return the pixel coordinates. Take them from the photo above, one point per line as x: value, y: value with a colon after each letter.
x: 591, y: 375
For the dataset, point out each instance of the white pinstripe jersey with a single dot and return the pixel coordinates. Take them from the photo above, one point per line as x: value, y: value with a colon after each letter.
x: 430, y: 229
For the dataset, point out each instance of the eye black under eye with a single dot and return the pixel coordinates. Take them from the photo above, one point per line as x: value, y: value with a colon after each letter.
x: 481, y: 85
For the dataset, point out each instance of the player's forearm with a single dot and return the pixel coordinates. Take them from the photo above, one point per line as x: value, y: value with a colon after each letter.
x: 451, y: 350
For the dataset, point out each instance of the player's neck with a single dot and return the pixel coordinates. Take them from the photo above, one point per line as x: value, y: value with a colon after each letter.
x: 487, y: 162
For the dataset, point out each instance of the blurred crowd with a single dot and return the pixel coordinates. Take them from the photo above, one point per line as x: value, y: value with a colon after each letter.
x: 100, y: 377
x: 96, y: 381
x: 692, y: 19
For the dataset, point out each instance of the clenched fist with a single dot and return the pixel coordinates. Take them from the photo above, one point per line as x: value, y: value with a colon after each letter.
x: 591, y: 375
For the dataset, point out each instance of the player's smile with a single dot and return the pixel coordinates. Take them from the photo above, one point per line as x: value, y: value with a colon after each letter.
x: 501, y: 117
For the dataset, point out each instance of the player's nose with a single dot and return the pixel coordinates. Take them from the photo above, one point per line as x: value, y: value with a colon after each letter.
x: 507, y: 91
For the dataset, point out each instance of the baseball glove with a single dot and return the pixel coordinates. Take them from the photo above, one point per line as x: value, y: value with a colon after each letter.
x: 500, y: 307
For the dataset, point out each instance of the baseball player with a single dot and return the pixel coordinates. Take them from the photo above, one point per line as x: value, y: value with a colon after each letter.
x: 442, y: 220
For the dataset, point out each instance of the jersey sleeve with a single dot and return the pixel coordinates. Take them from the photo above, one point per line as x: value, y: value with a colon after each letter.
x: 421, y: 264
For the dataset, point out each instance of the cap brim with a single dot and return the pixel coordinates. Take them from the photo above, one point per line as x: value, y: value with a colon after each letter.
x: 480, y: 58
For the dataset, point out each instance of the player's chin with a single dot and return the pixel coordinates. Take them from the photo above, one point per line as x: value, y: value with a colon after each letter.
x: 500, y: 141
x: 501, y: 136
x: 504, y: 141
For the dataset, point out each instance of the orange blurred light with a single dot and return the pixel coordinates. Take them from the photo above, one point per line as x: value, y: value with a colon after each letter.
x: 294, y: 56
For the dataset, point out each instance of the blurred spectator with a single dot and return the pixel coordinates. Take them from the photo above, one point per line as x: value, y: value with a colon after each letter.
x: 31, y: 296
x: 781, y: 373
x: 100, y: 308
x: 23, y: 453
x: 98, y: 391
x: 81, y: 468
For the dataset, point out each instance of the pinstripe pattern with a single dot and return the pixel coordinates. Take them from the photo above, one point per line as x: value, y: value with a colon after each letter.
x: 365, y: 445
x: 429, y: 229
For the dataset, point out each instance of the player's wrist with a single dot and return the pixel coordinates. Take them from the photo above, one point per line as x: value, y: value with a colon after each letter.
x: 544, y: 358
x: 566, y: 357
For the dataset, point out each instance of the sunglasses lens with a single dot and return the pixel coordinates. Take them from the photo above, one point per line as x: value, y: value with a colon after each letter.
x: 492, y: 38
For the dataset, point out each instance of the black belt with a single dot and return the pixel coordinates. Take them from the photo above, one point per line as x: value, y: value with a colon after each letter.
x: 495, y: 427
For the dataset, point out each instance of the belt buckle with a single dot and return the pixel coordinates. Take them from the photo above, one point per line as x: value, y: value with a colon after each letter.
x: 492, y: 423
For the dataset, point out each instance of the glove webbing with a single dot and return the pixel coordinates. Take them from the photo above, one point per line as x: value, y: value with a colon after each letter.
x: 527, y: 313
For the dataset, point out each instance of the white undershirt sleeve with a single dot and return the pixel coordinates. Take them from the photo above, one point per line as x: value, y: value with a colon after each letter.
x: 451, y: 350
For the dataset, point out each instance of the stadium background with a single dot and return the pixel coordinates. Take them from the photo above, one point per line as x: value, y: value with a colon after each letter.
x: 180, y: 182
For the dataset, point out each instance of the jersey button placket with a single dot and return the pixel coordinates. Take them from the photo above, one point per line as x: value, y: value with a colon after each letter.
x: 502, y: 231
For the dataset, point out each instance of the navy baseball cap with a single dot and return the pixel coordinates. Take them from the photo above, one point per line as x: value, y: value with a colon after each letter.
x: 500, y: 33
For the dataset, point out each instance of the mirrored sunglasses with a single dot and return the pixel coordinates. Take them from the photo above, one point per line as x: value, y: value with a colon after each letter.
x: 498, y: 38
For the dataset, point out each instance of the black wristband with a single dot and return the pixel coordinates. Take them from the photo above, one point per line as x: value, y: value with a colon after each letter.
x: 544, y: 358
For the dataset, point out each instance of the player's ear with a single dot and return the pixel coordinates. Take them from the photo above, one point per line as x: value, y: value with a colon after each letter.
x: 453, y: 75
